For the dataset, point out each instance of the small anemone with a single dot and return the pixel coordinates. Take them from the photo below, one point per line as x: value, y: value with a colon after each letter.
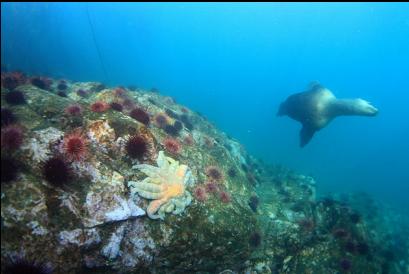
x: 56, y: 171
x: 15, y: 97
x: 136, y: 147
x: 140, y: 115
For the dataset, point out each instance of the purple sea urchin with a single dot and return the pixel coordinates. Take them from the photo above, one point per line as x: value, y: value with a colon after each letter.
x: 214, y: 174
x: 9, y: 169
x: 41, y: 82
x: 116, y: 106
x: 7, y: 117
x: 136, y: 147
x: 255, y: 239
x: 140, y: 115
x: 56, y: 171
x: 23, y: 266
x: 12, y: 137
x: 15, y: 97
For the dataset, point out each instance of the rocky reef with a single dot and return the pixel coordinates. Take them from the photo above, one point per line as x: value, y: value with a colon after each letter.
x: 97, y: 179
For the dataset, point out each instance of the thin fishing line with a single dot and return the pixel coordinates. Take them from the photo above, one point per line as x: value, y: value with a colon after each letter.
x: 96, y: 45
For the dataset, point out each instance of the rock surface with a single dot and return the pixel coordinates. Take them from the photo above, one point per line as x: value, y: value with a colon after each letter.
x: 254, y: 218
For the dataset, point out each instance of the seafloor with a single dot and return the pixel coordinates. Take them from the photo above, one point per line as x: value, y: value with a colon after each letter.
x: 96, y: 179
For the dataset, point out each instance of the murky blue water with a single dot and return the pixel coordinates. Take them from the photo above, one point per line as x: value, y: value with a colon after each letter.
x: 236, y: 63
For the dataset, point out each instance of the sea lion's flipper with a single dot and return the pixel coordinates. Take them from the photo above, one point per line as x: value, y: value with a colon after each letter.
x: 306, y: 134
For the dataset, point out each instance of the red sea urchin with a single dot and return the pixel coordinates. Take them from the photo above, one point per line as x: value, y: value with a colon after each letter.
x: 73, y: 110
x: 140, y: 115
x: 56, y: 171
x: 225, y: 197
x: 136, y: 147
x: 172, y: 146
x: 99, y: 107
x: 211, y: 187
x: 75, y: 146
x: 200, y: 194
x: 12, y: 137
x: 214, y: 174
x: 11, y: 80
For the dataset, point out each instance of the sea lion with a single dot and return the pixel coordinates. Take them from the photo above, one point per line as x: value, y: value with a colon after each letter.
x: 315, y: 108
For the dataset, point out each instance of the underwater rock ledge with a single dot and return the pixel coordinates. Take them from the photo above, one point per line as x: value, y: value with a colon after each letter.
x: 117, y: 180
